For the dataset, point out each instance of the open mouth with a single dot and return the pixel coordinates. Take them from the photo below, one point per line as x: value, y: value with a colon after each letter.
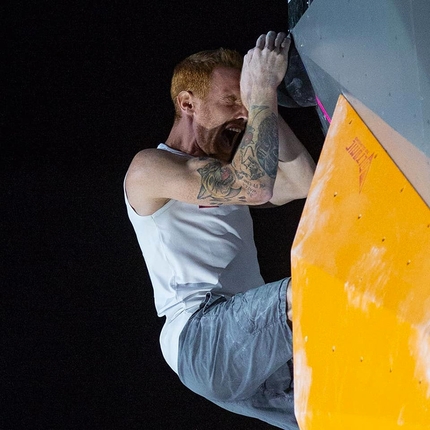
x: 233, y: 135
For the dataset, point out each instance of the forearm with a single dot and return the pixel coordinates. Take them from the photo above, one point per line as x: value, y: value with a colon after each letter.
x: 295, y: 167
x: 256, y: 160
x: 290, y: 146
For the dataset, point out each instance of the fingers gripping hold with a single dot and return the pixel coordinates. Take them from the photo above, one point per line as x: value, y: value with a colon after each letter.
x: 283, y: 41
x: 265, y: 65
x: 273, y: 41
x: 270, y: 40
x: 261, y: 41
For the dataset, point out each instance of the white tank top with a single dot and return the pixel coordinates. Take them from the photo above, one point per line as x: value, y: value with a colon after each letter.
x: 190, y: 250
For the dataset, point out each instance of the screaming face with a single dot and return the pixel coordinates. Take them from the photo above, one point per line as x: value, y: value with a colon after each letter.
x: 221, y: 117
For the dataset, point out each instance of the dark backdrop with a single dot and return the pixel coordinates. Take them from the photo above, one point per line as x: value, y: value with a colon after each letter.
x: 87, y: 87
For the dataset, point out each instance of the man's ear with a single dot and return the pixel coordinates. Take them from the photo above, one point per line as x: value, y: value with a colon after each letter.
x: 185, y: 102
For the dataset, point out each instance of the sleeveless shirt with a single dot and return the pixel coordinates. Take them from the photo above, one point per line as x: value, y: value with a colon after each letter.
x: 190, y: 250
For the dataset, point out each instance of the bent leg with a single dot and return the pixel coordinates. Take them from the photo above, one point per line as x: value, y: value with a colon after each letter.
x: 272, y: 403
x: 235, y: 352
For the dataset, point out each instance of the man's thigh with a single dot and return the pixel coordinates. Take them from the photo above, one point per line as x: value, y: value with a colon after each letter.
x: 230, y: 347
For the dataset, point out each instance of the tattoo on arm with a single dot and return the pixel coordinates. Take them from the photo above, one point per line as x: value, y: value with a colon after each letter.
x: 267, y: 141
x: 258, y: 157
x: 217, y: 182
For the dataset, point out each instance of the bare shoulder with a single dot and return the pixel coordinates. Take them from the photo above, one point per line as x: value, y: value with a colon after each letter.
x: 144, y: 177
x: 144, y: 159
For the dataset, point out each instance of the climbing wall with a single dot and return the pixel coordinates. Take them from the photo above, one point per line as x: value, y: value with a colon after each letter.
x: 377, y: 54
x: 361, y: 292
x: 377, y: 51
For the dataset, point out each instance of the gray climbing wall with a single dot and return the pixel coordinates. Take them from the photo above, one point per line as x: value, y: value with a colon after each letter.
x: 377, y: 51
x: 376, y: 54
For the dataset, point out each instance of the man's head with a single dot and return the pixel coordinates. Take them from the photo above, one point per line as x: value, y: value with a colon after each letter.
x: 206, y: 93
x: 194, y: 73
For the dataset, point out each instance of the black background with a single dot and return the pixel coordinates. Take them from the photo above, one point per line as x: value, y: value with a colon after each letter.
x: 87, y: 87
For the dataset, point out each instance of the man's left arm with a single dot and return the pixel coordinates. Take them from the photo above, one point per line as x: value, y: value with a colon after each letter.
x: 295, y: 167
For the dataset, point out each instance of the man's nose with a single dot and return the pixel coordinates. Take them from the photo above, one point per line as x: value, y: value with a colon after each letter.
x: 242, y: 113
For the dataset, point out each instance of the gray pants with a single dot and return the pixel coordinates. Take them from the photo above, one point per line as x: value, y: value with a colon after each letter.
x: 237, y: 353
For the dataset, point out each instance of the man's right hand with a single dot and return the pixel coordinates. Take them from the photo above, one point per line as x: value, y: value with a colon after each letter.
x: 264, y: 67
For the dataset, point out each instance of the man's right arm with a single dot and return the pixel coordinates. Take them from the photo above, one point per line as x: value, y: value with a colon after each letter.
x: 156, y: 176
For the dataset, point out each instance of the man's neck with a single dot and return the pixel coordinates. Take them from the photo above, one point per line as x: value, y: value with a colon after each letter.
x: 181, y: 138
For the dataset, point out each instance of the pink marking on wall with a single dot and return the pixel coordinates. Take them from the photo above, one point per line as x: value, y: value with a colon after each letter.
x: 321, y: 106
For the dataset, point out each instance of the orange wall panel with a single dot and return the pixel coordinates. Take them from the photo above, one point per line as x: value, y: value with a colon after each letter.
x: 361, y: 289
